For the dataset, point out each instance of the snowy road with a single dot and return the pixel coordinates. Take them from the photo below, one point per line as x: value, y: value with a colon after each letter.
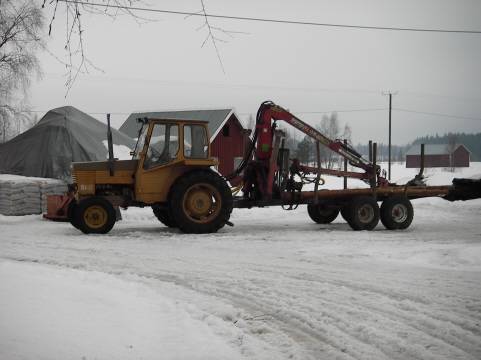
x: 279, y: 286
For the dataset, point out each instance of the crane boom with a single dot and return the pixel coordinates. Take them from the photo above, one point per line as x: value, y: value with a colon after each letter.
x: 270, y: 111
x: 260, y: 172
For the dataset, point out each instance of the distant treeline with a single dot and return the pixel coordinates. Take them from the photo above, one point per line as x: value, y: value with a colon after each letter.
x: 397, y: 152
x: 471, y: 141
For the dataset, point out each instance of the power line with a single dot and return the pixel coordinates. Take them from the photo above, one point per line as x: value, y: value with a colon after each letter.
x: 339, y: 111
x: 88, y: 112
x: 301, y: 112
x: 160, y: 82
x: 438, y: 114
x: 423, y: 94
x: 266, y: 20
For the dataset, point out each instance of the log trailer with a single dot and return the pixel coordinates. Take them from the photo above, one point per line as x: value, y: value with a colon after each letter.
x: 272, y: 178
x: 171, y: 171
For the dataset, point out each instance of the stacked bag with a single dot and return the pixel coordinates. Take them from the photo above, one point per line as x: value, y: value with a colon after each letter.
x: 21, y: 195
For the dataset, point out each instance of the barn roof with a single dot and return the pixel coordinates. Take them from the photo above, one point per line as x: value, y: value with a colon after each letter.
x: 216, y: 119
x: 433, y: 149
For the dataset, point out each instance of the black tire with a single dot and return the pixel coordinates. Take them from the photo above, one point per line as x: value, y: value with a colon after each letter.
x: 95, y: 215
x: 363, y: 213
x: 397, y: 213
x: 322, y: 214
x: 200, y: 202
x: 71, y: 213
x: 164, y: 216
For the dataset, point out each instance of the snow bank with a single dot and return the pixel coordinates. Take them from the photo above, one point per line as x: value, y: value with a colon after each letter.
x: 52, y: 313
x: 20, y: 195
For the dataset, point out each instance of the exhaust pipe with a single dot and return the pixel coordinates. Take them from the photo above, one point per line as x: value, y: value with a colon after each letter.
x: 111, y: 147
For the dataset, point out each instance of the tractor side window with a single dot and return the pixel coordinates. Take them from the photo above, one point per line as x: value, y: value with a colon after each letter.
x: 163, y: 145
x: 195, y: 142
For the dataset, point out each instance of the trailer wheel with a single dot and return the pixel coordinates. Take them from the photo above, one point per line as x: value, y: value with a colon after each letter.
x: 321, y: 214
x: 363, y: 213
x: 201, y: 202
x: 95, y: 215
x: 71, y: 213
x: 164, y: 216
x: 397, y: 213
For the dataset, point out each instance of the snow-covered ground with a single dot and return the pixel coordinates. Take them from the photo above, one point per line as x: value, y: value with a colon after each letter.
x: 274, y: 286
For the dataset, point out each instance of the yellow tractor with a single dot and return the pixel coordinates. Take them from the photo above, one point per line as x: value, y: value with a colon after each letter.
x: 170, y: 171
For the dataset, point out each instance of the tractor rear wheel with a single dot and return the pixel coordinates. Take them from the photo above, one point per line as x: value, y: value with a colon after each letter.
x: 397, y: 213
x: 94, y: 215
x: 363, y: 213
x: 164, y: 216
x: 322, y: 214
x: 201, y: 202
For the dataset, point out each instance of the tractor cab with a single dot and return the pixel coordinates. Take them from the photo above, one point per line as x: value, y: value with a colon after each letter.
x: 163, y: 141
x: 165, y: 150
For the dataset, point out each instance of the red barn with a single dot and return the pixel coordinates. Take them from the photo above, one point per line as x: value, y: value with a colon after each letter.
x: 229, y: 140
x: 438, y: 155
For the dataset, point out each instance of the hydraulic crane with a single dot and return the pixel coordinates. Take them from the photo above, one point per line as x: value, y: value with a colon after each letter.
x: 260, y: 171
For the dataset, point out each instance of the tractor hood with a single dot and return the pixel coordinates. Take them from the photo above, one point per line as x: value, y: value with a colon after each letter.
x: 117, y: 165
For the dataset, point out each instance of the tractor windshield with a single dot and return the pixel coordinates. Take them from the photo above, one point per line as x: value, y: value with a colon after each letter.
x: 163, y: 145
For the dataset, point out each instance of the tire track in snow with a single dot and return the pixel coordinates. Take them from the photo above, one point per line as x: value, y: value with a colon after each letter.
x: 304, y: 318
x: 299, y: 322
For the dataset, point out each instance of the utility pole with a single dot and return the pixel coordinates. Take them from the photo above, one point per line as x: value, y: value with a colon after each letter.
x: 389, y: 154
x: 389, y: 143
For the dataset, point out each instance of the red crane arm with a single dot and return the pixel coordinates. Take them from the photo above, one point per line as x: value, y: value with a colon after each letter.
x: 271, y: 111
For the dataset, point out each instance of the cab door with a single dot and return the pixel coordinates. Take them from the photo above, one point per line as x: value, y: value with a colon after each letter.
x: 161, y: 162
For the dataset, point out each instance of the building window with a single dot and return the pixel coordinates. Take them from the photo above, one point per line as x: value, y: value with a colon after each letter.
x: 225, y: 130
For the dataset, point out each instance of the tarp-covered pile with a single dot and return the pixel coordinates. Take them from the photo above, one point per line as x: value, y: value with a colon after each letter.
x: 62, y: 136
x: 21, y: 195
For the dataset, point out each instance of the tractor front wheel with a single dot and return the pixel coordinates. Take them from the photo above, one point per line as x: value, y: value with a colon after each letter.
x: 322, y: 214
x: 94, y: 215
x: 201, y: 202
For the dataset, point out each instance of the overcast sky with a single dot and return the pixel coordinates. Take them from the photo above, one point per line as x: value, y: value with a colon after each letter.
x: 161, y: 65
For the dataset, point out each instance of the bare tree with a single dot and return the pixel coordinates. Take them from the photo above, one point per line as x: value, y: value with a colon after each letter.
x: 251, y: 123
x: 21, y: 22
x: 77, y: 60
x: 346, y: 135
x: 330, y: 127
x: 305, y: 149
